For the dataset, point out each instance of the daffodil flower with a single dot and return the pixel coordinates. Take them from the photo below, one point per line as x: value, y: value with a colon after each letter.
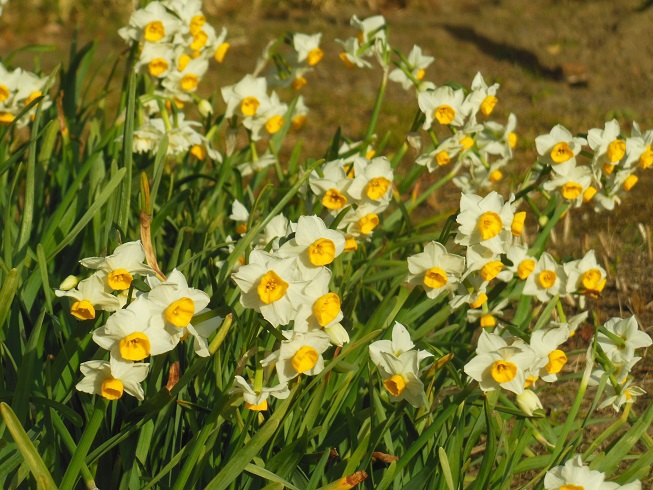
x: 90, y: 295
x: 130, y: 335
x: 300, y: 353
x: 112, y: 379
x: 435, y: 269
x: 120, y: 267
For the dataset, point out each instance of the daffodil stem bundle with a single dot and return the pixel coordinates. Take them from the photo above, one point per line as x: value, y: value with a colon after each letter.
x: 97, y: 416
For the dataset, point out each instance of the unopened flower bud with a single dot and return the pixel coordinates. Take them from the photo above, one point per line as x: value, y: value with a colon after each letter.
x: 337, y: 334
x: 543, y: 220
x: 205, y: 108
x: 529, y: 402
x: 69, y: 283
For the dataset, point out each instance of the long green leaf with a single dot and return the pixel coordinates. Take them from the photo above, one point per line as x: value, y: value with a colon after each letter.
x: 35, y: 463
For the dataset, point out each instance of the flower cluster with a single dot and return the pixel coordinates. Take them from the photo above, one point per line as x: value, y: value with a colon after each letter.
x: 618, y: 340
x: 610, y: 166
x: 398, y: 364
x: 151, y: 323
x: 175, y: 45
x: 480, y: 149
x: 18, y: 89
x: 357, y: 187
x: 291, y: 285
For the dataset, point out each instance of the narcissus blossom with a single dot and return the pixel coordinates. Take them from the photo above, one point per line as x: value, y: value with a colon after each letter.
x: 314, y: 244
x: 112, y: 379
x: 547, y: 279
x: 499, y: 364
x: 574, y: 475
x: 435, y: 269
x: 398, y: 364
x: 559, y: 149
x: 258, y: 400
x: 629, y: 338
x: 444, y: 106
x: 90, y: 295
x: 120, y: 267
x: 130, y: 335
x: 270, y: 285
x: 300, y: 353
x: 486, y: 221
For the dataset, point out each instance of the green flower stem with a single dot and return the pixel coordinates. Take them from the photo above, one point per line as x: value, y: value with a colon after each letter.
x: 375, y: 113
x: 72, y: 472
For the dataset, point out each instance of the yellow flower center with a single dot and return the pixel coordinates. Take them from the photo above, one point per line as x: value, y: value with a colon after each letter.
x: 112, y: 389
x: 119, y: 279
x: 367, y: 223
x: 489, y: 224
x: 589, y: 193
x: 482, y: 298
x: 345, y: 59
x: 274, y: 124
x: 496, y: 176
x: 395, y: 384
x: 528, y: 382
x: 442, y: 158
x: 271, y: 288
x: 249, y: 106
x: 198, y: 152
x: 221, y: 52
x: 6, y: 118
x: 503, y: 371
x: 572, y: 487
x: 154, y: 31
x: 180, y: 312
x: 33, y: 96
x: 298, y: 122
x: 487, y: 106
x: 561, y: 153
x: 557, y: 359
x: 591, y: 279
x: 444, y: 114
x: 517, y: 226
x: 512, y: 139
x: 83, y: 310
x: 571, y: 190
x: 616, y: 150
x: 467, y: 142
x: 314, y: 56
x: 199, y: 40
x: 157, y: 66
x: 435, y: 278
x: 183, y: 61
x: 261, y: 407
x: 350, y: 244
x: 305, y: 359
x: 547, y: 279
x: 196, y: 24
x: 488, y: 321
x: 630, y: 182
x: 420, y: 74
x: 646, y: 159
x: 525, y: 268
x: 298, y: 83
x: 4, y: 93
x: 241, y: 228
x: 333, y: 199
x: 608, y: 168
x: 377, y: 187
x: 135, y: 347
x: 326, y: 308
x: 321, y: 252
x: 189, y: 82
x: 491, y: 270
x: 369, y: 154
